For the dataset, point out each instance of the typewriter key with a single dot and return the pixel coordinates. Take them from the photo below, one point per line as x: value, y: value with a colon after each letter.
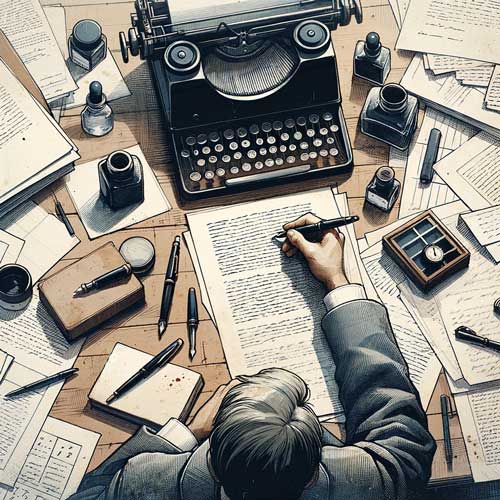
x: 304, y: 145
x: 259, y: 165
x: 278, y: 125
x: 334, y: 128
x: 334, y: 151
x: 237, y: 155
x: 259, y: 141
x: 185, y: 153
x: 190, y: 141
x: 273, y: 150
x: 234, y: 170
x: 263, y: 151
x: 267, y: 127
x: 245, y: 143
x: 323, y: 131
x: 229, y: 134
x: 330, y: 140
x: 201, y: 139
x: 304, y: 156
x: 195, y: 176
x: 283, y: 148
x: 241, y: 132
x: 323, y: 153
x: 212, y: 159
x: 254, y: 129
x: 213, y: 137
x: 271, y: 140
x: 219, y: 148
x: 279, y: 161
x: 297, y: 136
x: 328, y: 117
x: 292, y: 147
x: 290, y: 159
x: 269, y: 162
x: 246, y: 167
x: 226, y: 158
x: 310, y: 132
x: 196, y: 152
x: 209, y: 175
x: 313, y: 155
x: 201, y: 163
x: 314, y: 118
x: 233, y: 146
x: 285, y: 136
x: 301, y: 121
x: 205, y: 150
x: 252, y: 154
x: 317, y: 143
x: 289, y: 123
x: 220, y: 172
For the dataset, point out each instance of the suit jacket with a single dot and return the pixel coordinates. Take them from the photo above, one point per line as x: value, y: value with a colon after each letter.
x: 387, y: 453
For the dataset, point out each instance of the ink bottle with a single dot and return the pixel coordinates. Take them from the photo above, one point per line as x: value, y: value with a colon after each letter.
x: 390, y: 115
x: 372, y: 61
x: 121, y: 180
x: 383, y: 189
x: 87, y: 45
x: 97, y: 116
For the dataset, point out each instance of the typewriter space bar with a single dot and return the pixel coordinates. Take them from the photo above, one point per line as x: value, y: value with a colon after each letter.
x: 267, y: 176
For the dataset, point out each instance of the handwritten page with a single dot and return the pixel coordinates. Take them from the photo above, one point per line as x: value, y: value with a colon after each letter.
x: 417, y: 197
x: 473, y: 171
x: 56, y: 463
x: 268, y: 307
x: 446, y: 94
x: 31, y: 223
x: 453, y: 27
x: 96, y: 215
x: 478, y: 76
x: 440, y: 64
x: 484, y: 224
x: 479, y: 413
x: 493, y: 94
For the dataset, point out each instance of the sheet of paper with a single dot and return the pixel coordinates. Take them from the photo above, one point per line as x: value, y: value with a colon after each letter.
x: 32, y: 223
x: 417, y: 197
x: 395, y: 11
x: 27, y: 137
x: 473, y: 171
x: 10, y: 248
x: 493, y: 94
x: 440, y: 64
x: 446, y: 94
x: 268, y: 307
x: 39, y: 349
x: 27, y: 28
x: 97, y: 217
x: 484, y: 224
x: 56, y: 463
x: 479, y: 413
x: 453, y: 27
x: 478, y: 76
x: 6, y: 361
x: 106, y: 72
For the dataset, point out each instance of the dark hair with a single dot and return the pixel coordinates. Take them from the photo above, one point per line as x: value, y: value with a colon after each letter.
x: 266, y: 442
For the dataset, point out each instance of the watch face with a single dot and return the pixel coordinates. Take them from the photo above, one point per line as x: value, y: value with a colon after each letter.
x: 434, y: 254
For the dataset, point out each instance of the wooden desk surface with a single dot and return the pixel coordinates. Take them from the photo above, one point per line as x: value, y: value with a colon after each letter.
x: 138, y: 120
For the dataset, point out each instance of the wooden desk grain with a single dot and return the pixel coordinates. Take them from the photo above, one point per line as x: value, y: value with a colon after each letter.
x: 138, y: 121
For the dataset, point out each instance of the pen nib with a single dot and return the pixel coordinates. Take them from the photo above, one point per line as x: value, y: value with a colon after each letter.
x: 162, y: 326
x: 192, y: 353
x: 78, y: 291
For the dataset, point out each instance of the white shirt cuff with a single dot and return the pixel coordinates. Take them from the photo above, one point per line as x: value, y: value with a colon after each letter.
x: 178, y: 434
x: 343, y: 294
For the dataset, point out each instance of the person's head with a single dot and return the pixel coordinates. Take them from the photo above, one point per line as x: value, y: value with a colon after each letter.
x: 266, y: 440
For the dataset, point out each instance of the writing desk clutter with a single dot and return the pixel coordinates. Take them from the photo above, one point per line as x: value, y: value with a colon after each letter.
x: 139, y: 120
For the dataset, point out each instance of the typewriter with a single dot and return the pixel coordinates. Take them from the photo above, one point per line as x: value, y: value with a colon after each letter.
x: 249, y: 88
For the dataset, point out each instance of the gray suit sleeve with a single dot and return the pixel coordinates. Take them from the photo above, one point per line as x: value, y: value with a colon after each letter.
x: 384, y: 417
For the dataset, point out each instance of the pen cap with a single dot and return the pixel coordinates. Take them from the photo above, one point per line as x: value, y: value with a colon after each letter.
x: 192, y: 311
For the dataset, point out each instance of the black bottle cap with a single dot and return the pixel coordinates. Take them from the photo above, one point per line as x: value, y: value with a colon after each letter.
x: 384, y: 176
x: 87, y: 34
x: 16, y: 287
x: 95, y: 93
x: 372, y: 44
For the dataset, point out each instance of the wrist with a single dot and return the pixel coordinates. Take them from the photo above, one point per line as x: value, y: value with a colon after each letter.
x: 336, y: 281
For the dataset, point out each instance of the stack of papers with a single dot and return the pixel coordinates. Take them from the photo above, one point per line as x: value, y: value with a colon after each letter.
x: 34, y: 150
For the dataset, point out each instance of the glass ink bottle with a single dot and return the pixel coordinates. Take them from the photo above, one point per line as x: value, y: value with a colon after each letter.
x: 87, y: 45
x: 372, y: 61
x: 390, y: 115
x: 97, y: 116
x: 383, y: 189
x: 121, y: 180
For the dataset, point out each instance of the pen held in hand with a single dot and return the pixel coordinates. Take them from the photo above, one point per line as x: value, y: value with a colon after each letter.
x: 313, y: 232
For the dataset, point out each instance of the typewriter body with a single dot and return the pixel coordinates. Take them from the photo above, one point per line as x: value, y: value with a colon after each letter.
x: 249, y: 88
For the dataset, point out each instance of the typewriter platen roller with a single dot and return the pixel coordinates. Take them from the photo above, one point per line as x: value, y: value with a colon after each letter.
x: 249, y: 88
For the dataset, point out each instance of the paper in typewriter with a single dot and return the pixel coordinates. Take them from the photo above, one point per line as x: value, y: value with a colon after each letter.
x: 268, y: 307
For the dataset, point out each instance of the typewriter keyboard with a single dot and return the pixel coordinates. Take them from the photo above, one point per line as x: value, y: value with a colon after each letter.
x: 276, y: 148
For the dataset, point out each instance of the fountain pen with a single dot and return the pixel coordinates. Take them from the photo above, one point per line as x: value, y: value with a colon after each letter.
x: 169, y: 286
x: 313, y: 232
x: 192, y: 322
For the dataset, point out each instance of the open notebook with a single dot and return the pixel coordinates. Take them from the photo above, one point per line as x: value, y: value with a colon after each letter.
x: 168, y: 392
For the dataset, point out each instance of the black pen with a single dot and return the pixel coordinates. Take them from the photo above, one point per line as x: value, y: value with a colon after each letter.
x: 158, y: 361
x: 118, y: 274
x: 445, y: 415
x: 469, y: 335
x: 43, y: 382
x: 169, y: 286
x: 64, y: 218
x: 314, y: 231
x: 192, y: 322
x: 430, y: 157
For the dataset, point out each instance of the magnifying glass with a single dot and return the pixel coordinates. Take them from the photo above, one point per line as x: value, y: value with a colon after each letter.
x: 139, y: 252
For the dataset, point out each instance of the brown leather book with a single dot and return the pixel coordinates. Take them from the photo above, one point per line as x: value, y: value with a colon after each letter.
x: 77, y: 316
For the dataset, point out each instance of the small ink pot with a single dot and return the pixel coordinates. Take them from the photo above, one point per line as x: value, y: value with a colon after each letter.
x: 16, y: 287
x: 390, y: 115
x: 87, y: 45
x: 383, y: 189
x: 121, y: 180
x: 372, y: 61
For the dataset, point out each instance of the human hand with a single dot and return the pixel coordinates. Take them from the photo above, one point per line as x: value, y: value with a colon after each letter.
x: 325, y: 258
x: 201, y: 424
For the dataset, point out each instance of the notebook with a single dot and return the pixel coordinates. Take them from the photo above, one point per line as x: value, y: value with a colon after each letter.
x: 81, y: 315
x: 169, y: 392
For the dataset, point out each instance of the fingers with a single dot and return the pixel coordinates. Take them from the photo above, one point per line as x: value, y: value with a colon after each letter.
x: 333, y: 235
x: 308, y: 218
x: 300, y: 243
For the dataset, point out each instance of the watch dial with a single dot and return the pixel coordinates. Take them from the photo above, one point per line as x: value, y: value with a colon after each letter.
x: 434, y: 254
